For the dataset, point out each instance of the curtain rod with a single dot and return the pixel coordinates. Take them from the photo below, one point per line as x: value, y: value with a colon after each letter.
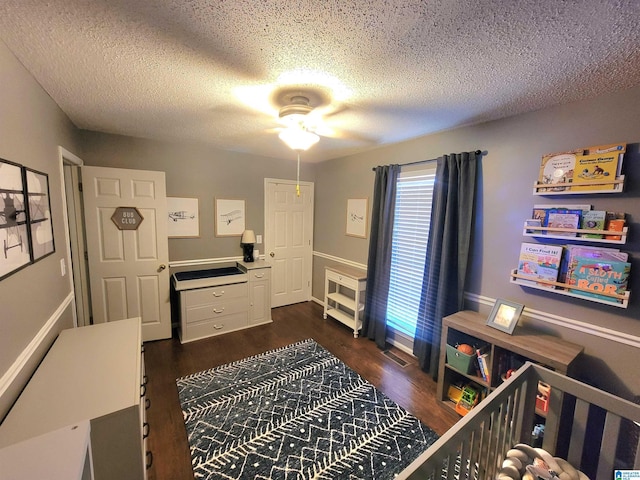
x: 477, y: 152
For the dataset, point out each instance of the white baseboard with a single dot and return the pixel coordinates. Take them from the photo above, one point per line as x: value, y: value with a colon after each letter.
x: 14, y: 379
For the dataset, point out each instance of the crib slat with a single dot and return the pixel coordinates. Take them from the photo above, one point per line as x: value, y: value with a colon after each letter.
x: 608, y: 448
x: 578, y: 432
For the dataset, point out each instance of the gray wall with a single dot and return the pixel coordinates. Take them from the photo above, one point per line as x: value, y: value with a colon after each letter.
x: 513, y: 148
x: 31, y: 128
x: 202, y: 172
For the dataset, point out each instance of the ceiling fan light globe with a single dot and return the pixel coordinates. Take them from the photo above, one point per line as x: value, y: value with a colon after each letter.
x: 298, y: 139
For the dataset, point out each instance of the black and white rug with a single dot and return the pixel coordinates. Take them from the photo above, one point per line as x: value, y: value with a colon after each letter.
x: 295, y: 413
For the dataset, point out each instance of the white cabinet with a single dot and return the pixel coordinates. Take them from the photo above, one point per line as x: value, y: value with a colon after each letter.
x: 222, y: 300
x: 344, y: 293
x: 259, y: 273
x: 92, y: 373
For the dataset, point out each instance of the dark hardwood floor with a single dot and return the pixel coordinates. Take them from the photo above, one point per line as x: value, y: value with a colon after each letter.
x: 166, y: 360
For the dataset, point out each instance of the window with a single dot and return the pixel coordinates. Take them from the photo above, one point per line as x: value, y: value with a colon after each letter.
x: 409, y: 245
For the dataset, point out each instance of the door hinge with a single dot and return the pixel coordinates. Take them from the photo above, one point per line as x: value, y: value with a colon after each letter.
x: 86, y: 256
x: 80, y: 186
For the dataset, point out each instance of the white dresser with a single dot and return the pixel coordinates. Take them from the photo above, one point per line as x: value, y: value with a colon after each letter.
x: 93, y: 373
x: 222, y: 300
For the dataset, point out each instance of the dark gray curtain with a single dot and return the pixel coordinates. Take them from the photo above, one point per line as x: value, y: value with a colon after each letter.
x: 447, y: 253
x: 379, y: 261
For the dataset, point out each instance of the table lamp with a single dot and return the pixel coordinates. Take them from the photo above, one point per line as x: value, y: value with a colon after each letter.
x: 247, y: 241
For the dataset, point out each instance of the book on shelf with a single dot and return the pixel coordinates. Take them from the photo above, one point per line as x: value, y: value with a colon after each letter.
x: 602, y: 276
x: 575, y: 167
x: 597, y: 167
x: 615, y: 222
x: 556, y: 168
x: 573, y: 252
x: 563, y: 218
x: 541, y: 212
x: 539, y: 262
x: 483, y: 362
x: 593, y: 220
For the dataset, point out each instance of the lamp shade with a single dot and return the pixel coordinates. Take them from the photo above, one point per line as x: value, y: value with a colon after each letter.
x: 298, y: 138
x: 248, y: 236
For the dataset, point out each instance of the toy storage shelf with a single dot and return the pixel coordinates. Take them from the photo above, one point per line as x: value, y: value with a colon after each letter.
x: 616, y: 300
x: 543, y: 188
x: 555, y: 233
x: 524, y: 343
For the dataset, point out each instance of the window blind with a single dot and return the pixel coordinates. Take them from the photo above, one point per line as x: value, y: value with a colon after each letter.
x: 409, y: 244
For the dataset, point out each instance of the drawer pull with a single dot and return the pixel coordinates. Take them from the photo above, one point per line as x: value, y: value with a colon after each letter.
x: 149, y: 459
x: 215, y: 310
x: 216, y: 294
x: 145, y: 380
x: 147, y: 403
x: 145, y: 430
x: 143, y: 390
x: 218, y: 327
x: 259, y: 275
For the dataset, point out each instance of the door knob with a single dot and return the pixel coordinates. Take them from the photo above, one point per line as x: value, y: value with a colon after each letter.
x: 272, y: 254
x: 162, y: 267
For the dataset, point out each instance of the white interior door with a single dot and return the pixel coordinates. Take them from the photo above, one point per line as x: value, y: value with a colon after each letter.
x: 289, y: 240
x: 128, y: 268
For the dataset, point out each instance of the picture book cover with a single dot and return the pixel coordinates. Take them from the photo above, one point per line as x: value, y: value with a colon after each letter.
x: 615, y: 222
x: 592, y: 168
x: 539, y: 262
x: 601, y: 277
x: 593, y: 220
x: 572, y: 252
x: 557, y: 168
x: 560, y: 218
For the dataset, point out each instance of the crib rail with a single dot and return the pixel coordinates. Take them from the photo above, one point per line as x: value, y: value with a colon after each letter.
x: 584, y: 425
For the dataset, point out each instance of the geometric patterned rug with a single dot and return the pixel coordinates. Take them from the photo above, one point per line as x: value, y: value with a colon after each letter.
x: 297, y: 412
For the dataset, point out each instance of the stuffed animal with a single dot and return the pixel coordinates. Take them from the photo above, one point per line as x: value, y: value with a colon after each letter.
x: 524, y: 462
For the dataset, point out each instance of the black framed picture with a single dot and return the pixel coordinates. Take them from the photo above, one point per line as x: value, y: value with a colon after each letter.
x: 505, y: 315
x: 39, y: 218
x: 14, y: 233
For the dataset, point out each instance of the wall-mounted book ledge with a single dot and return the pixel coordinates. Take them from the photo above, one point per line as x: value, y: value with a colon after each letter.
x: 614, y: 299
x: 555, y: 232
x: 615, y: 185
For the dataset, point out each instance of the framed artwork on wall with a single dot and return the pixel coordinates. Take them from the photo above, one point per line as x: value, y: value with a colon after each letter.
x: 14, y: 233
x: 357, y: 217
x: 230, y: 217
x: 184, y: 217
x: 40, y: 223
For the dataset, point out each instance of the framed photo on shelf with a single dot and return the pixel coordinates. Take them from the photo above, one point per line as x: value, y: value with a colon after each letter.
x: 40, y: 222
x: 230, y: 217
x: 184, y: 219
x: 505, y: 315
x: 14, y: 233
x: 357, y: 217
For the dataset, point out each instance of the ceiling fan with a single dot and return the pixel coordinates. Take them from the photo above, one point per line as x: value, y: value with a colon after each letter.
x: 301, y: 126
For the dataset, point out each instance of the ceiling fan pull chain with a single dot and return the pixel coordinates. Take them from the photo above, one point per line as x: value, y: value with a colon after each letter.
x: 298, y: 177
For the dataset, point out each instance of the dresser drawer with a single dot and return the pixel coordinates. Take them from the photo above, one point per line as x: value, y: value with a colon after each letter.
x: 207, y: 296
x: 216, y: 326
x: 217, y: 310
x: 349, y: 282
x: 259, y: 274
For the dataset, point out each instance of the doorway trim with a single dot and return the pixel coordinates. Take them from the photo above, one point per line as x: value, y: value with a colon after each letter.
x: 74, y: 235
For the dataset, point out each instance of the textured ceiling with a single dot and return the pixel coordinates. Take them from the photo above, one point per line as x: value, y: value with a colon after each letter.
x: 382, y: 71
